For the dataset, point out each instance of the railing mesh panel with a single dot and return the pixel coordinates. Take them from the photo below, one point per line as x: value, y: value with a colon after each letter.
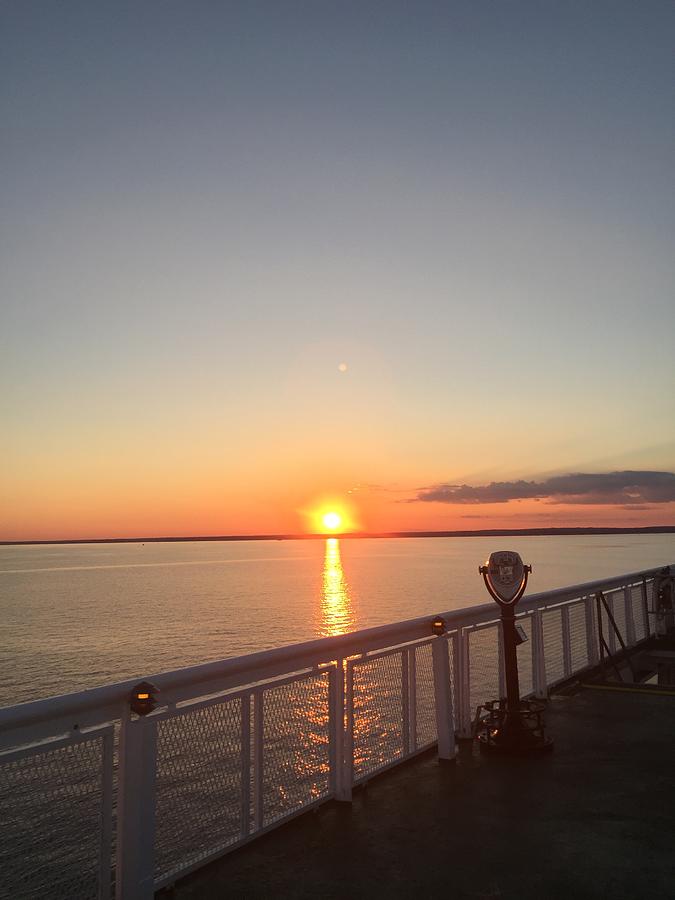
x: 483, y: 666
x: 596, y: 634
x: 608, y: 630
x: 524, y: 652
x: 637, y: 603
x: 198, y: 793
x: 454, y: 685
x: 378, y: 713
x: 296, y: 762
x: 425, y: 696
x: 578, y: 640
x: 51, y: 822
x: 650, y: 606
x: 553, y: 645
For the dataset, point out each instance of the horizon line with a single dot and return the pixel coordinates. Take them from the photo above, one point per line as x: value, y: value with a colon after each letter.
x: 355, y: 535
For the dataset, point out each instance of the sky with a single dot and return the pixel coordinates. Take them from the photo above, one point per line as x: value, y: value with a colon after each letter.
x: 411, y: 261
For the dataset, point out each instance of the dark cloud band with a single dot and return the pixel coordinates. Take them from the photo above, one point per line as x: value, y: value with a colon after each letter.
x: 609, y: 488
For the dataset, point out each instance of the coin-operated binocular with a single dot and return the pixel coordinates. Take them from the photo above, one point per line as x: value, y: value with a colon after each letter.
x: 509, y: 724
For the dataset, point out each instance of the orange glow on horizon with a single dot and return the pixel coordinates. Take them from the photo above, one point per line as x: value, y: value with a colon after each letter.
x: 93, y: 502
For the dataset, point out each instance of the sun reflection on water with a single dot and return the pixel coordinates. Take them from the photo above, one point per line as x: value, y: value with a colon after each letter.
x: 336, y: 604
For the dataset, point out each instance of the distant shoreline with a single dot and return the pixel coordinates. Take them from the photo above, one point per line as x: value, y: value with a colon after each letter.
x: 490, y: 532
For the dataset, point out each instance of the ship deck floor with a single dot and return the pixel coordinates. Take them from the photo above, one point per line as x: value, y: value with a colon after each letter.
x: 594, y: 818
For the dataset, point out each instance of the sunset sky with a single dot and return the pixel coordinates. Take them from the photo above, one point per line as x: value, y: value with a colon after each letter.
x: 413, y: 261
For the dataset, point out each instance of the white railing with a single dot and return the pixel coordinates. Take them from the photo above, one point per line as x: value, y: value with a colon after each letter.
x: 98, y: 802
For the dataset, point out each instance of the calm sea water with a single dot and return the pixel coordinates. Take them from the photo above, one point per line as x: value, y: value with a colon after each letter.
x: 76, y: 616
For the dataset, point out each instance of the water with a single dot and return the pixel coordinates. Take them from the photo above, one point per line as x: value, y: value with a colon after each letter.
x: 76, y: 616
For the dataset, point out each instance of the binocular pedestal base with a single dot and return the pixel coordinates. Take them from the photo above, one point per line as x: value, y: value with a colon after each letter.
x: 517, y: 732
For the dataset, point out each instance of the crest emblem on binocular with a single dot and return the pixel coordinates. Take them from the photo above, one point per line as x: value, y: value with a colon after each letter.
x: 505, y: 575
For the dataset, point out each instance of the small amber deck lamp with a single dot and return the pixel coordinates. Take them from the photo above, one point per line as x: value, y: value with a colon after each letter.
x: 143, y: 698
x: 438, y: 625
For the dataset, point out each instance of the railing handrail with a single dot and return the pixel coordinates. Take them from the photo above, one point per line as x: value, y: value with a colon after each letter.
x: 241, y: 670
x: 376, y: 697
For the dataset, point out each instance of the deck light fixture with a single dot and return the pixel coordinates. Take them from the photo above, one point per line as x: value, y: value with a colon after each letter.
x: 438, y: 625
x: 143, y: 698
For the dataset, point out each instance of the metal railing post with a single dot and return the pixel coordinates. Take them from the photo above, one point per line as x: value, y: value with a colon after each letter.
x: 538, y: 656
x: 463, y: 684
x: 136, y: 808
x: 412, y: 698
x: 650, y: 622
x: 341, y: 784
x: 592, y: 650
x: 333, y: 769
x: 453, y: 641
x: 630, y: 621
x: 566, y: 641
x: 445, y: 722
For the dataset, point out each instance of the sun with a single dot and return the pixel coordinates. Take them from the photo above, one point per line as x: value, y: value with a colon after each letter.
x: 331, y: 514
x: 332, y: 520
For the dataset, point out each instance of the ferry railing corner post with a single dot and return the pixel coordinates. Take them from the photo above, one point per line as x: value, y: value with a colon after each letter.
x: 463, y: 684
x: 650, y: 623
x: 628, y: 615
x: 135, y: 868
x: 566, y: 640
x: 341, y: 768
x: 445, y: 719
x: 592, y: 650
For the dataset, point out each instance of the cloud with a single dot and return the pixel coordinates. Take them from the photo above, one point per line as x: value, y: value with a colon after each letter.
x: 628, y: 489
x: 365, y: 487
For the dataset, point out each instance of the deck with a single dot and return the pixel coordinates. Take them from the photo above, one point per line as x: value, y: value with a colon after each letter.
x: 596, y: 818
